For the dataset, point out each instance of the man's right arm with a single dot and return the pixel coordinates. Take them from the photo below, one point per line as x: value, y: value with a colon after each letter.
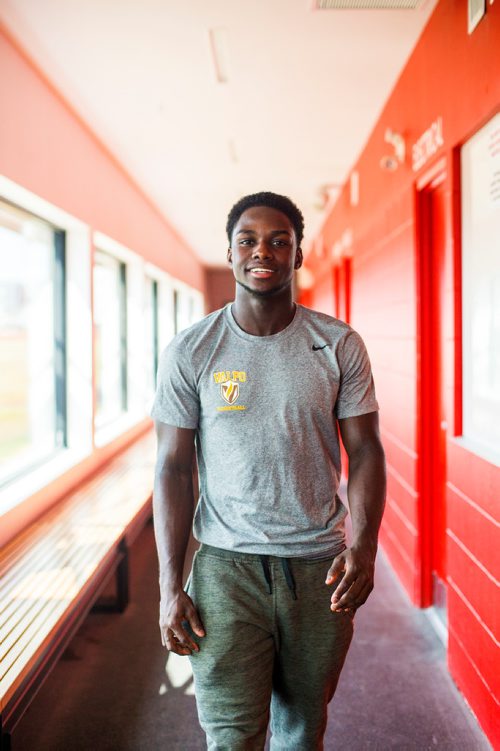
x: 173, y: 507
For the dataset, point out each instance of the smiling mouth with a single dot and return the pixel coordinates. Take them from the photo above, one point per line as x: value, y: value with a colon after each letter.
x: 261, y: 272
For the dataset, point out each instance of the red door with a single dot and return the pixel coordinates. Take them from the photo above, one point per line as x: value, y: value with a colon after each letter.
x: 342, y: 289
x: 346, y: 286
x: 432, y: 418
x: 336, y: 290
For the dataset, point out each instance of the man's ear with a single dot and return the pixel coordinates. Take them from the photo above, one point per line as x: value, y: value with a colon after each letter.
x: 298, y: 259
x: 230, y: 256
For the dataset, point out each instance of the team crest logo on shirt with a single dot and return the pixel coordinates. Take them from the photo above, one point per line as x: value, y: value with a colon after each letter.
x: 229, y: 382
x: 230, y: 391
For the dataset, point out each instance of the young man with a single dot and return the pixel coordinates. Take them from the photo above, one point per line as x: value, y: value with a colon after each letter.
x: 260, y: 387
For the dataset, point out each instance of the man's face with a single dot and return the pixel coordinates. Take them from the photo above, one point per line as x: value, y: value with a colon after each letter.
x: 263, y: 251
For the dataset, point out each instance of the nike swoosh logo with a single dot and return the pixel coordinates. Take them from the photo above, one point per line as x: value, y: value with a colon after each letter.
x: 315, y: 348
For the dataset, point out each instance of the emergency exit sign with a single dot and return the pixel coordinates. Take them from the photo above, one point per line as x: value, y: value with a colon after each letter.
x: 428, y: 144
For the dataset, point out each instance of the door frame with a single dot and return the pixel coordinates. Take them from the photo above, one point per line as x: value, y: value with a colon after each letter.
x: 428, y: 333
x: 341, y: 280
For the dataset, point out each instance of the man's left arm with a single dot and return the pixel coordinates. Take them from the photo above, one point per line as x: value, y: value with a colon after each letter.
x: 366, y: 493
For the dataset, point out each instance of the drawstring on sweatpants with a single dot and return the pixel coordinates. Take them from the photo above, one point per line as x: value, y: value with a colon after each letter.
x: 285, y: 564
x: 264, y: 559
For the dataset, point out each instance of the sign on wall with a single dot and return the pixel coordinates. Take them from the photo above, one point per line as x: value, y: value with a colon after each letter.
x: 481, y: 290
x: 428, y: 144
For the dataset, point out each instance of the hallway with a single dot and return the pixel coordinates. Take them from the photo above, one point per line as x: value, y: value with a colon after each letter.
x: 380, y: 120
x: 110, y: 692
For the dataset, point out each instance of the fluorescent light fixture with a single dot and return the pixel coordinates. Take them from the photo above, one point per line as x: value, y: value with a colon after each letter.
x: 220, y: 56
x: 366, y: 4
x: 354, y: 188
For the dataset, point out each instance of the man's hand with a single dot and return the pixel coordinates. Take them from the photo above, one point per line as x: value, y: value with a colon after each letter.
x: 175, y: 610
x: 356, y: 567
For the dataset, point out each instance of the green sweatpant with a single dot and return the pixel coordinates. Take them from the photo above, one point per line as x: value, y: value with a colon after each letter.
x: 272, y: 646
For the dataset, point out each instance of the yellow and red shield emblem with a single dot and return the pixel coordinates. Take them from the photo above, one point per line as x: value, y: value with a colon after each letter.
x: 230, y: 391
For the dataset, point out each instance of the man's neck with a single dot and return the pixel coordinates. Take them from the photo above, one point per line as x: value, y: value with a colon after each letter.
x: 263, y: 316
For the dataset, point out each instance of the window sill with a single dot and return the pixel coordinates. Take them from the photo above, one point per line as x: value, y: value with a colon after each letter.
x: 36, y: 479
x: 479, y: 449
x: 115, y: 429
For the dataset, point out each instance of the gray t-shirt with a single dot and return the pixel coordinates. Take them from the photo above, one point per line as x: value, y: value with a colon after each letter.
x: 265, y: 409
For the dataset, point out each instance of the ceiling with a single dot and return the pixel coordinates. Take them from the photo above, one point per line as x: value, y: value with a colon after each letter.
x: 304, y: 89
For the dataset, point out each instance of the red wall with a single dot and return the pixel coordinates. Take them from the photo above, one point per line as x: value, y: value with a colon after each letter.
x: 456, y: 76
x: 48, y: 149
x: 220, y: 288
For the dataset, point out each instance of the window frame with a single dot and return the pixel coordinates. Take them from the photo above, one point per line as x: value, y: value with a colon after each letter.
x: 131, y: 339
x: 120, y: 267
x: 60, y: 339
x: 57, y: 263
x: 74, y: 348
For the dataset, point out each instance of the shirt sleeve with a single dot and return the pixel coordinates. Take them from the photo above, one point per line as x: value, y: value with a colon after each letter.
x: 356, y: 394
x: 176, y: 400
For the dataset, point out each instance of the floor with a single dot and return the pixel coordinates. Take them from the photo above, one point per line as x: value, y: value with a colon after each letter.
x: 116, y: 689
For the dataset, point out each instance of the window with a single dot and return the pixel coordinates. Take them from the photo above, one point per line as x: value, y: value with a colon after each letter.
x: 33, y: 341
x: 481, y: 291
x: 110, y: 338
x: 177, y: 312
x: 151, y: 336
x: 70, y: 349
x: 188, y: 306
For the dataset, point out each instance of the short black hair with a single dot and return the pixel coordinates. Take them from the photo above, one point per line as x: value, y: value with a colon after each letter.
x: 272, y: 201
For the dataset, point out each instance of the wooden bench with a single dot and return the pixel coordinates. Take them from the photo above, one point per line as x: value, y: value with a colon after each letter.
x: 53, y: 573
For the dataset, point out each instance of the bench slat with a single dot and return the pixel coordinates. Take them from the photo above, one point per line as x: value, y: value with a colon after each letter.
x: 51, y: 573
x: 56, y: 606
x: 105, y: 510
x: 31, y: 645
x: 132, y: 461
x: 57, y: 584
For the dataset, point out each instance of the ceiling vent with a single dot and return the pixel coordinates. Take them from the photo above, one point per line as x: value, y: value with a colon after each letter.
x: 366, y: 4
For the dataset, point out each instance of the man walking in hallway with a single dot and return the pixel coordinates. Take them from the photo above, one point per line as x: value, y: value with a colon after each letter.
x: 262, y: 388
